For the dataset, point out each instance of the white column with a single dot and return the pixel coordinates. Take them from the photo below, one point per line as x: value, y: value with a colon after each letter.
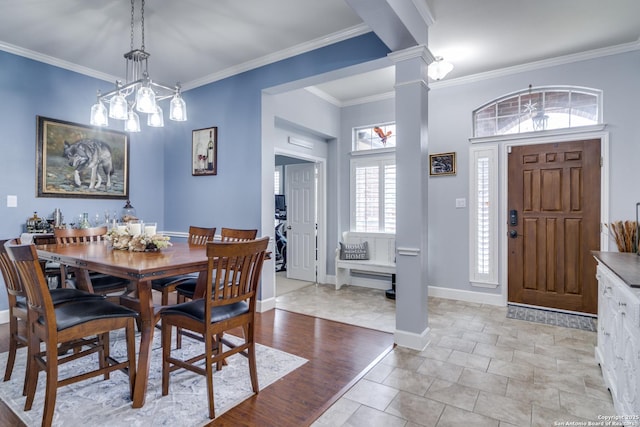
x: 411, y: 191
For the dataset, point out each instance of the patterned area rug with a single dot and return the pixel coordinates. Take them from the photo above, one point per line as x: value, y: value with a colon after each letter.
x: 95, y: 402
x: 550, y: 317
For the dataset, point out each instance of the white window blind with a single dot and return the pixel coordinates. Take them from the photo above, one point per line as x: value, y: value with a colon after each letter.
x: 373, y: 194
x: 277, y: 180
x: 484, y: 216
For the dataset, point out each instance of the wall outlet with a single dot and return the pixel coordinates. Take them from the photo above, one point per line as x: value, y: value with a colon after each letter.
x: 461, y: 203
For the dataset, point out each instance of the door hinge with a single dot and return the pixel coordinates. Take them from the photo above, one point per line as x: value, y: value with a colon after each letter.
x: 509, y: 150
x: 601, y: 161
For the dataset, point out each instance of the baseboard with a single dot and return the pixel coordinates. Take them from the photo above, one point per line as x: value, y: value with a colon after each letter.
x: 4, y: 316
x: 265, y: 305
x: 412, y: 340
x: 467, y: 296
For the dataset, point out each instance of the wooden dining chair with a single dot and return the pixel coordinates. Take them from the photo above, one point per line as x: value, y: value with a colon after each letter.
x: 102, y: 284
x: 187, y: 288
x: 198, y: 236
x: 17, y: 299
x: 236, y: 267
x: 79, y: 325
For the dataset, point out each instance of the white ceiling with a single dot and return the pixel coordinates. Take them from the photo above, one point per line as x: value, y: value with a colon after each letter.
x: 199, y: 41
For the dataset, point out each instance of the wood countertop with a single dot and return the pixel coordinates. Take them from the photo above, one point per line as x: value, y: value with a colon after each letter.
x: 624, y: 265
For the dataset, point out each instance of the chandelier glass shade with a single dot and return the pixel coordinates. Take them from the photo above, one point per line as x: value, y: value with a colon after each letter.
x: 439, y: 68
x: 138, y: 94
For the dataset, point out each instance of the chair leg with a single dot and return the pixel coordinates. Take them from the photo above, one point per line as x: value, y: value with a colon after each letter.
x: 52, y: 384
x: 251, y: 353
x: 104, y: 353
x: 209, y: 351
x: 13, y: 347
x: 32, y: 371
x: 165, y: 296
x: 166, y: 353
x: 131, y: 355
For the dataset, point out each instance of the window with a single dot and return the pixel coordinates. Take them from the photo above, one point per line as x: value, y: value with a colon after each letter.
x: 277, y: 180
x: 540, y: 109
x: 373, y: 194
x: 484, y: 214
x: 374, y: 137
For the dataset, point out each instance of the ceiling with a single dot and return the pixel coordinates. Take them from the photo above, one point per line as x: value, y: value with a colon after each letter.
x: 200, y: 41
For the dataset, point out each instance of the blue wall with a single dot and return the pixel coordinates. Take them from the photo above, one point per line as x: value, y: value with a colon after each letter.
x: 162, y: 188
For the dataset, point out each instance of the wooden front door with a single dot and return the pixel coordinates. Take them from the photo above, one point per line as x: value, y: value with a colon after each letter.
x: 554, y: 224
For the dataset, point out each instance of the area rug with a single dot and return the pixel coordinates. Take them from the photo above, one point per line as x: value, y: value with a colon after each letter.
x: 95, y: 402
x: 551, y: 317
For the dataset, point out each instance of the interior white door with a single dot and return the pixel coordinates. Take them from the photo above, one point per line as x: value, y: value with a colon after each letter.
x: 301, y: 221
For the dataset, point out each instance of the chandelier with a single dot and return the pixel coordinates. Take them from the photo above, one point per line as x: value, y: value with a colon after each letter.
x: 439, y: 68
x: 138, y: 94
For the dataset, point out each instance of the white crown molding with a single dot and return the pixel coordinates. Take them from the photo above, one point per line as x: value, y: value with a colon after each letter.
x: 323, y: 95
x: 249, y: 65
x: 281, y: 55
x: 367, y: 99
x: 36, y: 56
x: 545, y: 63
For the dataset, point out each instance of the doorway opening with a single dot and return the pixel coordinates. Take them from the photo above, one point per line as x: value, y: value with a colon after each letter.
x: 297, y: 189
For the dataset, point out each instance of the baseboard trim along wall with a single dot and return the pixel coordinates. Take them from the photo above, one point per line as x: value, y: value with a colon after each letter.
x: 411, y: 340
x: 265, y: 305
x: 4, y: 316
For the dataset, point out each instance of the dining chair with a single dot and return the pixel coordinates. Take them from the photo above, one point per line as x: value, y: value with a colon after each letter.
x: 187, y: 288
x: 79, y: 325
x: 198, y: 236
x: 236, y: 267
x: 102, y: 284
x: 17, y: 299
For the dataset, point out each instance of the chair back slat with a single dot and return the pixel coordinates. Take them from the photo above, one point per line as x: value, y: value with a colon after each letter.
x: 9, y: 272
x: 200, y: 236
x: 237, y: 235
x: 79, y: 235
x: 235, y: 267
x: 25, y: 259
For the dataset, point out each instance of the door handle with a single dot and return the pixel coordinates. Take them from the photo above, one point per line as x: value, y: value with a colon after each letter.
x: 288, y: 227
x: 513, y: 234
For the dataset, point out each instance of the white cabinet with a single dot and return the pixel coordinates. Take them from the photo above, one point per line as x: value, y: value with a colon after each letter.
x: 618, y: 349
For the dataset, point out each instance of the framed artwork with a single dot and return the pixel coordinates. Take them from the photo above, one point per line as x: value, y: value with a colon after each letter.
x: 204, y: 151
x: 74, y: 160
x: 442, y: 164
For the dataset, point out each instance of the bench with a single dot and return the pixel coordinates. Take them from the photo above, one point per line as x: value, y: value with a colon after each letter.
x: 382, y: 256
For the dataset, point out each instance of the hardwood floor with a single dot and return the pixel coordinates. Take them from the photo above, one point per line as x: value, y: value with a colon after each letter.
x: 338, y: 355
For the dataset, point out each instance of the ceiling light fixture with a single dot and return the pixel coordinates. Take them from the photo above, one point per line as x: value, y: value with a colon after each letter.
x: 138, y: 93
x: 439, y: 68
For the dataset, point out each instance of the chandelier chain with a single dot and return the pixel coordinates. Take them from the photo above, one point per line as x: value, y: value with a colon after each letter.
x: 142, y: 23
x: 132, y: 24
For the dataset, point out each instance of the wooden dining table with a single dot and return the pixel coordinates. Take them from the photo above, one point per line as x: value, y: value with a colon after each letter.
x: 139, y: 268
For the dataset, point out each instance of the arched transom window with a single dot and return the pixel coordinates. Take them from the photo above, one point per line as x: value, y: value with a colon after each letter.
x: 537, y: 109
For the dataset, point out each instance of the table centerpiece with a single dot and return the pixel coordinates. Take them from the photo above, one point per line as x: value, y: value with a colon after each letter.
x: 122, y: 238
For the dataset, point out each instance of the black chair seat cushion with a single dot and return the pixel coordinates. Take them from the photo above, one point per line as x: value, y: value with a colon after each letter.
x: 102, y: 282
x: 187, y: 288
x: 76, y: 313
x: 159, y: 284
x: 195, y: 310
x: 66, y: 295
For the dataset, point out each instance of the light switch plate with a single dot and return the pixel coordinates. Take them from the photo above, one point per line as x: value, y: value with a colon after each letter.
x: 12, y: 201
x: 461, y: 203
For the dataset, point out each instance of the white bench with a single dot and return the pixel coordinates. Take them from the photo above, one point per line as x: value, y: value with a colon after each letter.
x: 382, y: 256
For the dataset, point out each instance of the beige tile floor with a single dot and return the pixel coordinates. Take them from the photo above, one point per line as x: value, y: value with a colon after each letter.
x: 480, y: 368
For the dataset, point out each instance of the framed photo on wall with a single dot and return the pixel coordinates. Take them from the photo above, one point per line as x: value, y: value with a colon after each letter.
x: 442, y: 164
x: 204, y: 151
x: 74, y: 160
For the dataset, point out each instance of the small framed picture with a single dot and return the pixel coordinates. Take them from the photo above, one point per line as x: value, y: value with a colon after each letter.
x: 442, y: 164
x: 204, y: 151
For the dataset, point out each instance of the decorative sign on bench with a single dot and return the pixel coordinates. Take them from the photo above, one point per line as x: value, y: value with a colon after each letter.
x: 354, y: 251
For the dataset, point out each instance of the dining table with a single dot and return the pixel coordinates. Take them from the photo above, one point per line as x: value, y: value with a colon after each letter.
x: 140, y: 268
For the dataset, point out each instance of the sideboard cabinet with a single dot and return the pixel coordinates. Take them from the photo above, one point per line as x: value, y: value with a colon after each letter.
x: 618, y: 347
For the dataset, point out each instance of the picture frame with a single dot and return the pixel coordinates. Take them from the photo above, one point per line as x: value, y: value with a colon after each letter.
x: 442, y: 164
x: 204, y: 151
x: 80, y: 161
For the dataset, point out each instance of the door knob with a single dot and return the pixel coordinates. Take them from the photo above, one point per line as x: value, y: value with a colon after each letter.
x: 513, y: 234
x: 288, y: 227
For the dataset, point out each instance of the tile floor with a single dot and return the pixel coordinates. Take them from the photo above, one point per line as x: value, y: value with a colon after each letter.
x: 480, y: 368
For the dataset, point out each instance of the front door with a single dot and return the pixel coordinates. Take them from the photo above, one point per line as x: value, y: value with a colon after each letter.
x: 554, y: 224
x: 301, y: 221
